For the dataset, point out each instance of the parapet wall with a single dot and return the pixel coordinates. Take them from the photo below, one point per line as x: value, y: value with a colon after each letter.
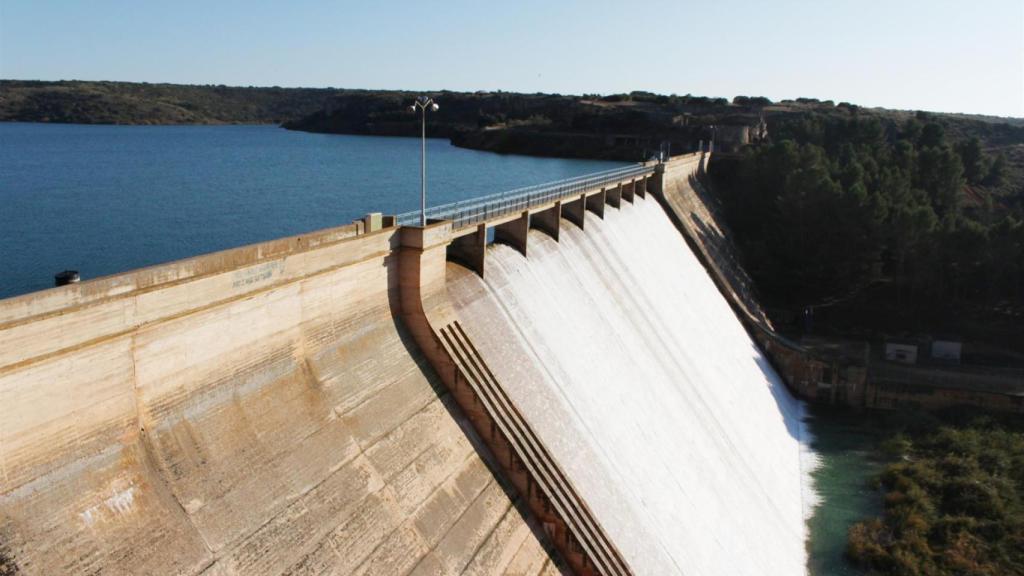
x: 60, y: 300
x: 257, y: 410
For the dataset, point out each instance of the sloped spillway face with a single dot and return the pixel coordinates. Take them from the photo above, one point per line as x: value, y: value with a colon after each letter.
x: 635, y: 372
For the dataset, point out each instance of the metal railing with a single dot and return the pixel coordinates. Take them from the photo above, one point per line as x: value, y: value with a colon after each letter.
x: 476, y: 210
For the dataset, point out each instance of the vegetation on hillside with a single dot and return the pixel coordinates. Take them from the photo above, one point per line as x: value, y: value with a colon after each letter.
x: 540, y: 124
x: 142, y: 103
x: 627, y: 126
x: 953, y: 502
x: 845, y: 201
x: 588, y: 126
x: 325, y: 109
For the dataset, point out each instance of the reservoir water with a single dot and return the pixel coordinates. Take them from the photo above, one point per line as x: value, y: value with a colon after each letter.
x: 105, y: 199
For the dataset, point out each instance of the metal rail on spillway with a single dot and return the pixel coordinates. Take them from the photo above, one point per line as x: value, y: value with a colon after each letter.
x: 476, y: 210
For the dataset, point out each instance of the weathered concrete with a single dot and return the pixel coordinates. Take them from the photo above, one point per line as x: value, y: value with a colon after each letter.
x: 254, y: 411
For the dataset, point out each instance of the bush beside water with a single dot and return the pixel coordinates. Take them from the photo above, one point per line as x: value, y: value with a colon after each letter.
x: 952, y: 501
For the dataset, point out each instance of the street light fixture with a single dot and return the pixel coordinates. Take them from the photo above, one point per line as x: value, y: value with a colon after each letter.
x: 423, y: 103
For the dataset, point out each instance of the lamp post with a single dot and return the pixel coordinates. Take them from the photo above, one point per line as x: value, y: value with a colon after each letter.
x: 423, y: 104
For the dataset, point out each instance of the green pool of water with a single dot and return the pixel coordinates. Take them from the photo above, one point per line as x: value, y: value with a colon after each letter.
x: 845, y: 444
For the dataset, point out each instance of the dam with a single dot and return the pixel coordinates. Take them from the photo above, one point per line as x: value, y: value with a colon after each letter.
x: 575, y: 396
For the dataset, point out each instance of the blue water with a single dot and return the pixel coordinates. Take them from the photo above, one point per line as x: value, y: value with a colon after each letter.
x: 105, y: 199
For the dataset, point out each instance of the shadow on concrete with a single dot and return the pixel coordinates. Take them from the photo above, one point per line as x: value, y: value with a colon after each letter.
x: 784, y: 399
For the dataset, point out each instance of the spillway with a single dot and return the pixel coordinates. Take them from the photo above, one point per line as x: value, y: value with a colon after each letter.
x: 626, y: 360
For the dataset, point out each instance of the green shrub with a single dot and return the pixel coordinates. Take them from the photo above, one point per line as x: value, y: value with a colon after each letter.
x: 952, y: 503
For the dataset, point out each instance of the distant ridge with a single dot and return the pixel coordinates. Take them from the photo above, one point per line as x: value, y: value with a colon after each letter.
x: 113, y: 102
x: 88, y: 102
x: 628, y: 127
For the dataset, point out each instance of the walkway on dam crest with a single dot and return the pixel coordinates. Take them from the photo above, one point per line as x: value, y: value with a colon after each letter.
x: 511, y: 214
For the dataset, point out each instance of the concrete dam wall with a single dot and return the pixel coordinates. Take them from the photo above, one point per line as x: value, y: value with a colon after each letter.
x: 256, y: 411
x: 352, y: 402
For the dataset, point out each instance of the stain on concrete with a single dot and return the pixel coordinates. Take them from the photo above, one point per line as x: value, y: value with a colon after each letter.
x: 7, y: 565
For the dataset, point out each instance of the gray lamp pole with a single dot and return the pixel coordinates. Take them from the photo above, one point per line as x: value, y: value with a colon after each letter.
x: 423, y: 104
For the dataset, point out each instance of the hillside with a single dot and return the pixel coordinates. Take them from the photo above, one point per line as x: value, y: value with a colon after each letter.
x: 79, y: 102
x: 624, y: 126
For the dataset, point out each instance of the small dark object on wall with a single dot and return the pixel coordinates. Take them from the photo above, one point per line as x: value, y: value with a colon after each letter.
x: 66, y: 277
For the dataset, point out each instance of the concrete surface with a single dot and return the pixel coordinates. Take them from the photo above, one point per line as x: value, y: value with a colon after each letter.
x: 254, y: 411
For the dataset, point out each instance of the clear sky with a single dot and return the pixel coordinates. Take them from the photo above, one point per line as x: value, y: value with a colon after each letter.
x: 913, y: 54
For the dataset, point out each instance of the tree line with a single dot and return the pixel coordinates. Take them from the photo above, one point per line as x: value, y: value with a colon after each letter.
x: 838, y: 203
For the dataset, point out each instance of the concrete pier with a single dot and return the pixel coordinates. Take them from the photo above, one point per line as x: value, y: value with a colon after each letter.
x: 514, y: 232
x: 469, y: 249
x: 575, y: 210
x: 614, y: 196
x: 548, y: 221
x: 628, y: 191
x: 596, y: 202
